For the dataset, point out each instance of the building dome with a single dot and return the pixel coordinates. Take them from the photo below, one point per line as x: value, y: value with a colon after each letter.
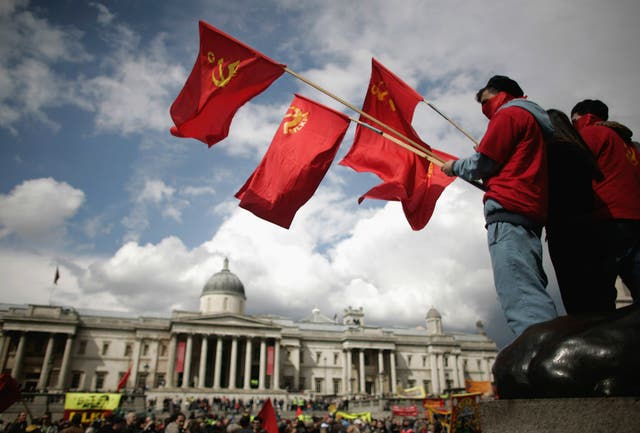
x: 433, y: 314
x: 224, y: 282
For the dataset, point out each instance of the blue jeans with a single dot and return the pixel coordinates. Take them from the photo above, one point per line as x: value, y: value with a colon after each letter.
x: 516, y: 257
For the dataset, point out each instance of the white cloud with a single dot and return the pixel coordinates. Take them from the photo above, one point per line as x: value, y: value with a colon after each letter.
x: 135, y: 96
x: 105, y: 16
x: 39, y: 207
x: 30, y: 50
x: 150, y: 195
x: 198, y: 190
x: 156, y: 191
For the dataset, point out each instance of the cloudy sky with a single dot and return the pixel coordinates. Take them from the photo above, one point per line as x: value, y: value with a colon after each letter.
x: 138, y: 220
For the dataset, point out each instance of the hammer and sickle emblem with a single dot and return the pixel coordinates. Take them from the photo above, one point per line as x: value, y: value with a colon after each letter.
x: 232, y: 68
x: 294, y: 120
x: 382, y: 94
x: 430, y: 171
x: 631, y: 154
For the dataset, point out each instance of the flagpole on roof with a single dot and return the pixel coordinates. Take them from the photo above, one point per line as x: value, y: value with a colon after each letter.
x: 432, y: 157
x: 448, y: 119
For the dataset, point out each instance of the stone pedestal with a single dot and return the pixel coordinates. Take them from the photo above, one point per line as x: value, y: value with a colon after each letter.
x: 571, y: 415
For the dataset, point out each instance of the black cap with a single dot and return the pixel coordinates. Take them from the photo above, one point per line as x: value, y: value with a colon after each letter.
x: 591, y: 106
x: 505, y: 84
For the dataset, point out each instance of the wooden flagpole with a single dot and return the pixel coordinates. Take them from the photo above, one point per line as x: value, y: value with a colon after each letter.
x: 432, y: 156
x: 414, y: 147
x: 458, y: 127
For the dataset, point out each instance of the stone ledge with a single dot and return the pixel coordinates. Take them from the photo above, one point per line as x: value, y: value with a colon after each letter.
x: 566, y: 415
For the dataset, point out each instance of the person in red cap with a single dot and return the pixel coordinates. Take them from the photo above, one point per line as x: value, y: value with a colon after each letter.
x: 511, y: 161
x: 616, y: 207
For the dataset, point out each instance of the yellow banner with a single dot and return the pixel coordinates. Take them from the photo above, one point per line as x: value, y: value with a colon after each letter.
x: 415, y: 392
x: 478, y: 386
x: 364, y: 416
x: 95, y: 401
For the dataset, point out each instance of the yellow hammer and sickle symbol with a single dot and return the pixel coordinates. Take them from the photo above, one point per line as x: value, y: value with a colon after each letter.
x: 631, y: 155
x: 381, y: 95
x: 298, y: 120
x: 430, y: 171
x: 232, y: 68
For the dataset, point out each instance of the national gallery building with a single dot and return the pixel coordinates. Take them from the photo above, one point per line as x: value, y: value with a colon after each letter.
x: 220, y: 350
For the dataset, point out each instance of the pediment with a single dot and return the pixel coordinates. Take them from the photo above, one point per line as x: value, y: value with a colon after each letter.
x: 225, y: 320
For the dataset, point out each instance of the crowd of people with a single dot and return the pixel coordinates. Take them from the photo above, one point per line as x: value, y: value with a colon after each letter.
x: 577, y: 177
x: 213, y: 422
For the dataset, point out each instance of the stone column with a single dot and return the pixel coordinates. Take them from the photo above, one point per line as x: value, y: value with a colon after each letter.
x: 348, y: 368
x: 5, y: 342
x: 380, y: 373
x: 485, y: 369
x: 136, y: 363
x: 276, y: 365
x: 460, y: 363
x: 233, y: 362
x: 247, y: 365
x: 263, y: 363
x: 16, y: 372
x: 491, y: 361
x: 443, y: 383
x: 454, y: 370
x: 218, y: 365
x: 392, y: 365
x: 345, y: 389
x: 171, y: 362
x: 186, y: 374
x: 153, y: 367
x: 361, y: 382
x: 295, y: 354
x: 46, y: 364
x: 66, y: 357
x: 435, y: 380
x: 204, y: 348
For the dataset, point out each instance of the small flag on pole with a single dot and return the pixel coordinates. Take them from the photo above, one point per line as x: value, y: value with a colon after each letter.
x: 123, y: 381
x: 9, y: 391
x: 56, y: 276
x: 268, y: 416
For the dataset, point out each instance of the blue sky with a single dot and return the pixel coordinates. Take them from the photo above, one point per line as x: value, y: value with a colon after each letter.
x: 138, y: 220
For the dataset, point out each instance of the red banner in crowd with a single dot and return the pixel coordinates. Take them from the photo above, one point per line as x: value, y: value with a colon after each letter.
x: 270, y: 353
x: 182, y: 347
x: 433, y: 402
x: 404, y: 410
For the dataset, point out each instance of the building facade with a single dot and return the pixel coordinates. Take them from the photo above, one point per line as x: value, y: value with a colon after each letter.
x: 221, y: 350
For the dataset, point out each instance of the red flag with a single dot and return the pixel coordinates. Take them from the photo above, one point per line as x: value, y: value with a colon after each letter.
x: 9, y: 391
x: 123, y: 381
x: 226, y: 74
x: 407, y: 177
x: 300, y: 154
x: 56, y: 277
x: 268, y: 416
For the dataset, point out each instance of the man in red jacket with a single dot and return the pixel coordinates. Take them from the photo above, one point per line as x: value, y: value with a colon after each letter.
x: 617, y: 204
x: 511, y: 159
